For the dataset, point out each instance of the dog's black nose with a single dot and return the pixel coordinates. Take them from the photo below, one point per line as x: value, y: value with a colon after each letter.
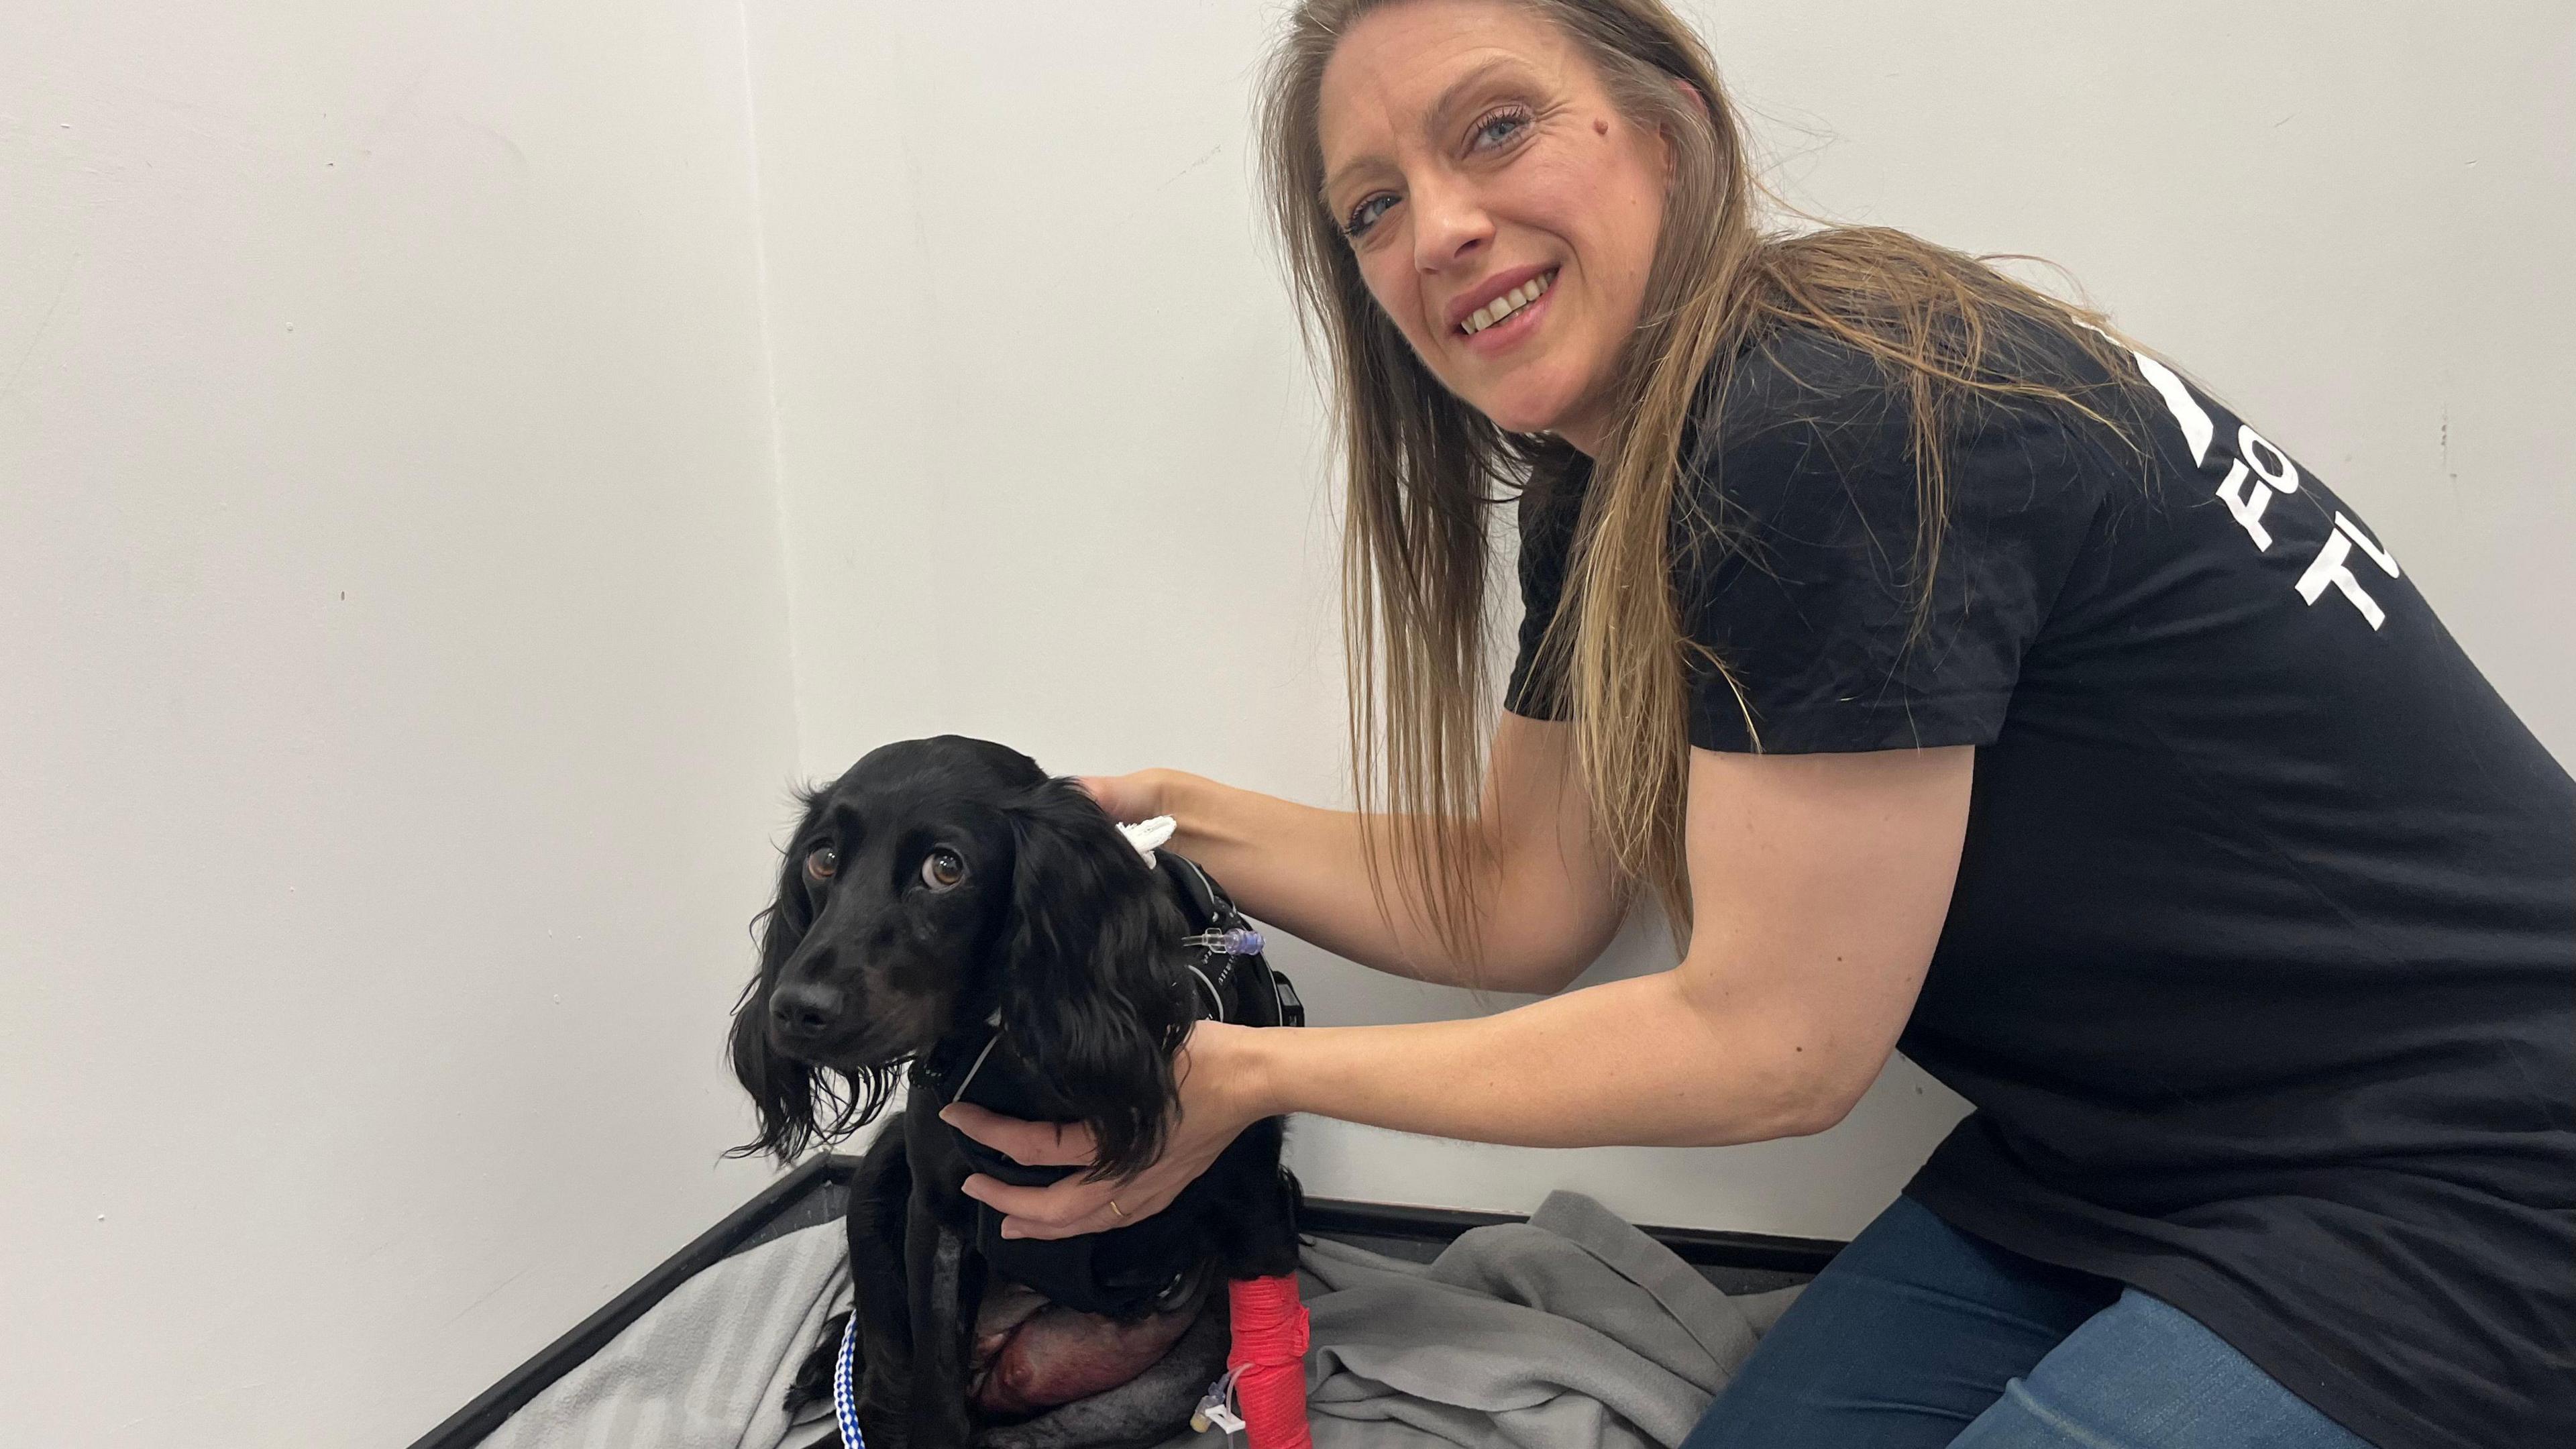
x: 805, y: 1011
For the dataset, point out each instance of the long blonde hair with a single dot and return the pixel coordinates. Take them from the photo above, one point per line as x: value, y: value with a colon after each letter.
x: 1424, y: 469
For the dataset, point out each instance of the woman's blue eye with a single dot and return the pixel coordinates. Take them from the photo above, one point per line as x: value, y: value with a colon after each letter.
x: 1365, y: 215
x: 1499, y: 127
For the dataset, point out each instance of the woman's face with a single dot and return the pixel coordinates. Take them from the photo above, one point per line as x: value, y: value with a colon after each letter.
x: 1503, y: 211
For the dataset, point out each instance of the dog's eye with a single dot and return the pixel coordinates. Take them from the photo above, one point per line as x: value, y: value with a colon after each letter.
x: 942, y: 869
x: 821, y: 861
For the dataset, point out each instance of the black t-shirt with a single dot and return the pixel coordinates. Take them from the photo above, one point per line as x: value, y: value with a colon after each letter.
x: 2260, y: 969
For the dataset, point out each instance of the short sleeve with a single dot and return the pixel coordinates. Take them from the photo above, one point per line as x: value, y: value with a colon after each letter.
x: 1809, y: 628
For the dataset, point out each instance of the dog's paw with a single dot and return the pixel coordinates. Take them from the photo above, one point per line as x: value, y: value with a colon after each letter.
x: 884, y: 1428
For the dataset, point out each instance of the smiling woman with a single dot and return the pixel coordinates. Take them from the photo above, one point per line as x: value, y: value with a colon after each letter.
x: 1461, y: 150
x: 1954, y: 674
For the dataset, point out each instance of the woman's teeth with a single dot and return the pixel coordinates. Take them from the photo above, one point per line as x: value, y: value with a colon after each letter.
x: 1508, y: 303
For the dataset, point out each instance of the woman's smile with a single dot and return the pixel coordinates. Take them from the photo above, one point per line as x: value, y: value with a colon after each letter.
x: 1498, y: 298
x: 1508, y: 312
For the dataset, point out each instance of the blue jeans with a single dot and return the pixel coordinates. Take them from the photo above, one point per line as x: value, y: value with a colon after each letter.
x: 1920, y: 1336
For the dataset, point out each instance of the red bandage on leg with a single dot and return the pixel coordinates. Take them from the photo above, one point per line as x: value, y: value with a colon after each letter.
x: 1269, y: 1360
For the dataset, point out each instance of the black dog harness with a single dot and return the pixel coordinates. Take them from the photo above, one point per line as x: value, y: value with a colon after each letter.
x: 1122, y: 1271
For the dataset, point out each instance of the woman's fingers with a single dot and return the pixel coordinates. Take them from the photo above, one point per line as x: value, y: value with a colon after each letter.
x: 1061, y: 1210
x: 1030, y: 1144
x: 1209, y: 1118
x: 1125, y: 797
x: 1066, y: 1209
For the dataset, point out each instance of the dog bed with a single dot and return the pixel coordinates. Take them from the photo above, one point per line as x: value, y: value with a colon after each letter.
x: 1569, y: 1330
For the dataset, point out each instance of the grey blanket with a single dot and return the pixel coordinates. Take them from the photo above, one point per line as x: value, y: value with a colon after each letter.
x: 1571, y: 1331
x: 708, y: 1366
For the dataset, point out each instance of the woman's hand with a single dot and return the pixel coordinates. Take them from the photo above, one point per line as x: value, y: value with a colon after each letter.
x: 1218, y: 1099
x: 1131, y: 797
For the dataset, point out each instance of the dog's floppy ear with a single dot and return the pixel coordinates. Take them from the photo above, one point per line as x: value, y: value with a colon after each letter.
x: 784, y: 1090
x: 781, y: 1088
x: 1084, y: 990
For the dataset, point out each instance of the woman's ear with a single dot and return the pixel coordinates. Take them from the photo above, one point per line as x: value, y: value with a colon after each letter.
x: 1084, y: 989
x: 1664, y: 135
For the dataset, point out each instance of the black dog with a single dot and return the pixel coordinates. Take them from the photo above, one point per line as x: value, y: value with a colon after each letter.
x: 947, y: 907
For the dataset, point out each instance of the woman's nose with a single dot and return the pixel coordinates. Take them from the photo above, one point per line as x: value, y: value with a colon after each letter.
x: 1450, y: 223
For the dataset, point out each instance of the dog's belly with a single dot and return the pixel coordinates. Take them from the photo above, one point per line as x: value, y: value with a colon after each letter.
x: 1031, y: 1354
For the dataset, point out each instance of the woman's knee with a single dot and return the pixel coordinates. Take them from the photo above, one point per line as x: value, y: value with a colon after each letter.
x: 1909, y: 1334
x: 2143, y: 1374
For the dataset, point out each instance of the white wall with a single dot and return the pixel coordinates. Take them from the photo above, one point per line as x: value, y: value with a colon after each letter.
x: 397, y: 707
x: 1055, y: 473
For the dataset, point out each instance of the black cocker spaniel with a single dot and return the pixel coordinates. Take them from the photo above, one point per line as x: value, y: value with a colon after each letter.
x: 951, y: 917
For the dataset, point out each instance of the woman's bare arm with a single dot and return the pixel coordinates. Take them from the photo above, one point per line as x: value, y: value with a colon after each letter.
x: 1820, y: 883
x: 1546, y: 903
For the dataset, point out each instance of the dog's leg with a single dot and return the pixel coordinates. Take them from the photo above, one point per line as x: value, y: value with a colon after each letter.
x: 1260, y: 1238
x: 879, y: 1220
x: 1269, y: 1325
x: 942, y: 1267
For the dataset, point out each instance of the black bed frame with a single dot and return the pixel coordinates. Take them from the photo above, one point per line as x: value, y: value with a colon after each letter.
x: 807, y: 1195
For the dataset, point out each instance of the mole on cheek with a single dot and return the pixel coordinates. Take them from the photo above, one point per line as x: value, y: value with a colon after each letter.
x: 1600, y: 127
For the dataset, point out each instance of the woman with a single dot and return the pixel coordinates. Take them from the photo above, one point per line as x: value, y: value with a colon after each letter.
x: 1957, y: 679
